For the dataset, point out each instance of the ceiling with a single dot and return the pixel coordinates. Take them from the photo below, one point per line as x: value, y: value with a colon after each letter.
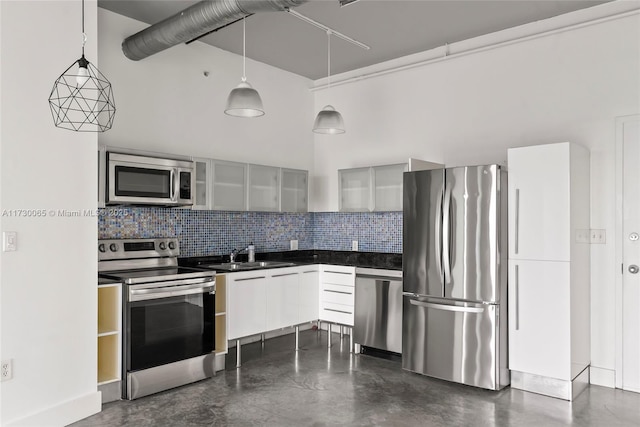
x: 392, y: 28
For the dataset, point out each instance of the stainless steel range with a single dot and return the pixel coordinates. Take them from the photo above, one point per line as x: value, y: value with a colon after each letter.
x: 168, y: 314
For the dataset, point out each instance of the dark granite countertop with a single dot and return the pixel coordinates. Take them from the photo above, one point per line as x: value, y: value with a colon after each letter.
x: 356, y: 259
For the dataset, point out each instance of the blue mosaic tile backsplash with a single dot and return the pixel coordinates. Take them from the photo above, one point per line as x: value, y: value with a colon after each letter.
x: 203, y: 233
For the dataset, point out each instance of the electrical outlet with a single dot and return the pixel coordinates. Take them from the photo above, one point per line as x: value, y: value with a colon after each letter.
x: 598, y: 236
x: 293, y: 245
x: 354, y: 245
x: 6, y: 370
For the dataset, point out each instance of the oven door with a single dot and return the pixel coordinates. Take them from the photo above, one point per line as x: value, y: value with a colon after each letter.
x: 169, y: 323
x: 146, y: 180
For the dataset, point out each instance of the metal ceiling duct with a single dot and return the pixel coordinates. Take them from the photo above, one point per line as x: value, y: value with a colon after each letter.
x: 194, y: 21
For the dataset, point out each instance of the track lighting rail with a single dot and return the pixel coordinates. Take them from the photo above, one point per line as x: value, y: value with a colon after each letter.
x: 327, y: 29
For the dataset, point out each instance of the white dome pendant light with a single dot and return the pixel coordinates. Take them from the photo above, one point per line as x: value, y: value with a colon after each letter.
x: 244, y: 100
x: 329, y: 120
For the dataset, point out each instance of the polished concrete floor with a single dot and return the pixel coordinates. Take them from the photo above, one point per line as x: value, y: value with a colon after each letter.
x: 277, y: 386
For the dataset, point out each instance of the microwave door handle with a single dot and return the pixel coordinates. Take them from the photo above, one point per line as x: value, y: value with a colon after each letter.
x: 172, y: 184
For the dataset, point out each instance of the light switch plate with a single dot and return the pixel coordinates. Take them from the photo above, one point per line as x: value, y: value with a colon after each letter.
x: 598, y: 236
x: 9, y: 241
x: 293, y: 244
x: 583, y: 236
x: 354, y: 245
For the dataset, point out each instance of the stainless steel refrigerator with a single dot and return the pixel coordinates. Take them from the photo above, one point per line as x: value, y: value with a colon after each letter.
x: 454, y: 324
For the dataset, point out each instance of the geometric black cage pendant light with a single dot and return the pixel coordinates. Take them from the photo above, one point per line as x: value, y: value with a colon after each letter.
x: 82, y: 99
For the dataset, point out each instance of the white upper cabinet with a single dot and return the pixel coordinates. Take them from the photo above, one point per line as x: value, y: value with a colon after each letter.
x: 355, y: 190
x: 539, y: 202
x: 203, y: 189
x: 387, y: 187
x: 294, y: 190
x: 377, y: 188
x: 229, y: 186
x: 264, y: 188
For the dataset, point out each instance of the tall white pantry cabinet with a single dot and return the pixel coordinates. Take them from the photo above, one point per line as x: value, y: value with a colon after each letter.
x: 549, y: 269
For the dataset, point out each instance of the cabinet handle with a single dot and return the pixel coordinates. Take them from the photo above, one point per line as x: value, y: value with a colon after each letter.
x: 338, y: 311
x: 517, y: 230
x: 250, y: 278
x: 338, y: 292
x: 310, y: 271
x: 517, y: 298
x: 338, y: 272
x: 284, y: 274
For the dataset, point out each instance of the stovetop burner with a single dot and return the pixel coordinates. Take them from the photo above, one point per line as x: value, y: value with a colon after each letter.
x: 135, y: 261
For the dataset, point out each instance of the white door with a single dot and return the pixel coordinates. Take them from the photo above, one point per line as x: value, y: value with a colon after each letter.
x: 631, y: 255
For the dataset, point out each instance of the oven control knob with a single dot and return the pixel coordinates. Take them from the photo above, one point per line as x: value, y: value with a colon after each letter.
x: 163, y: 246
x: 102, y: 247
x: 172, y: 245
x: 113, y: 247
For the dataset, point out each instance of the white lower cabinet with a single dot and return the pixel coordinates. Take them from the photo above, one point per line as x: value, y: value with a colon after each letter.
x: 309, y: 294
x: 265, y: 300
x: 539, y: 318
x: 247, y: 311
x: 337, y: 286
x: 282, y: 298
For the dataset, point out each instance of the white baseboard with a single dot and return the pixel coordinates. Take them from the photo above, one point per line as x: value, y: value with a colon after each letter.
x: 63, y: 414
x: 602, y: 376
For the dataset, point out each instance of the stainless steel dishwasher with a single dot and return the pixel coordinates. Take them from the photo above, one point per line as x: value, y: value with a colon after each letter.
x: 378, y: 309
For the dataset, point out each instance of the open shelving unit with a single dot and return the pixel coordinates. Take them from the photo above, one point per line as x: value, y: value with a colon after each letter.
x: 221, y: 314
x: 109, y: 333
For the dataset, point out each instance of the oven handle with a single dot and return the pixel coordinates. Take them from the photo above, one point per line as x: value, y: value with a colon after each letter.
x: 171, y: 291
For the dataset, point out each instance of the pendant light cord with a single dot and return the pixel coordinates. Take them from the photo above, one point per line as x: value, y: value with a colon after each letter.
x: 244, y: 49
x: 84, y: 35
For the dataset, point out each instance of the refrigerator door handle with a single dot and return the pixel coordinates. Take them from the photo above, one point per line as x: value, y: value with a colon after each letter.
x: 447, y: 307
x: 446, y: 243
x: 438, y: 241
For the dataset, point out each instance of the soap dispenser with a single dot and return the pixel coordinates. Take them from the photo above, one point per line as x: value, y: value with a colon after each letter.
x: 252, y: 252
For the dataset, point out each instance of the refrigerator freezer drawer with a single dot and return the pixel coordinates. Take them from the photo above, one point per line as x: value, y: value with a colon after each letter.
x: 453, y: 342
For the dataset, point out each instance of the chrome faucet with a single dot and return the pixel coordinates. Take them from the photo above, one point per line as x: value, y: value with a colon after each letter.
x: 252, y: 253
x: 235, y: 252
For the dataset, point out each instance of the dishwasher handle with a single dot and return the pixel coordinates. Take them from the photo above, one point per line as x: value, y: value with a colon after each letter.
x: 378, y: 273
x: 376, y: 277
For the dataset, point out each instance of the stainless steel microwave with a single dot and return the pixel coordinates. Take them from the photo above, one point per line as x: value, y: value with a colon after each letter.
x: 142, y: 180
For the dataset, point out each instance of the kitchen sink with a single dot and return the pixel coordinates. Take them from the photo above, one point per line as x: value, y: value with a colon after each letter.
x: 242, y: 266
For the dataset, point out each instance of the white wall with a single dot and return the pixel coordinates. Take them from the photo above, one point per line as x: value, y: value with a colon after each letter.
x: 165, y: 103
x: 468, y: 110
x: 48, y: 287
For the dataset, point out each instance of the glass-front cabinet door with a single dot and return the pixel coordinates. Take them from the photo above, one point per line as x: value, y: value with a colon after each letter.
x: 203, y: 186
x: 229, y: 186
x: 294, y: 190
x: 387, y: 187
x: 264, y: 186
x: 355, y: 190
